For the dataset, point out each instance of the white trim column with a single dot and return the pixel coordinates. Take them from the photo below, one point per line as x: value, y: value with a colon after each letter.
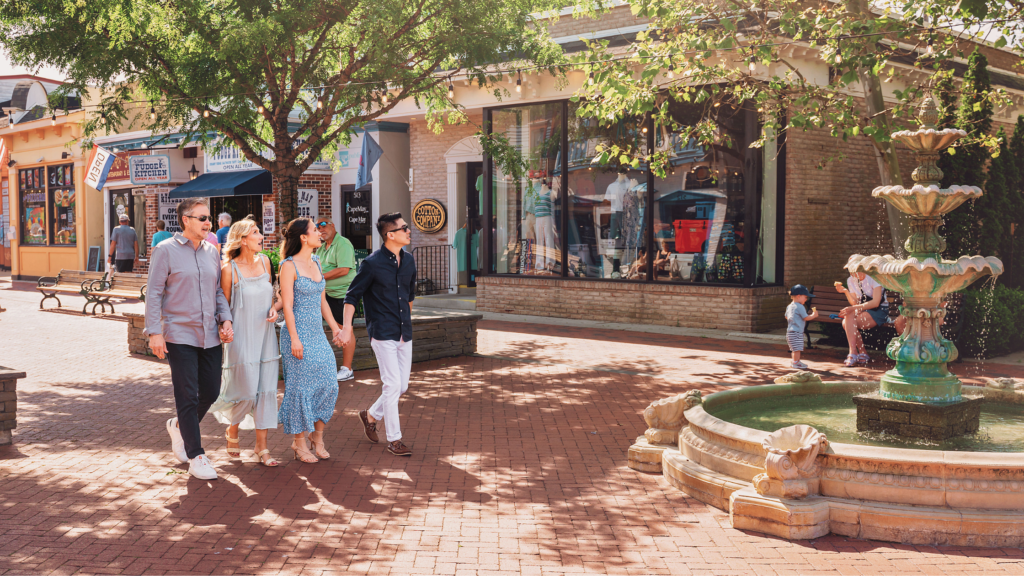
x: 466, y: 150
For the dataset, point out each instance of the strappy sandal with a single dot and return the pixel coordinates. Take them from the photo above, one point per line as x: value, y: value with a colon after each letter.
x: 233, y: 452
x: 851, y: 360
x: 303, y: 454
x: 863, y: 359
x: 318, y: 447
x: 264, y: 457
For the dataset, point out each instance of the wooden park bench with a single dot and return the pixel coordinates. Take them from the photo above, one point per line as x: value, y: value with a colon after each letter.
x: 829, y: 302
x: 121, y: 286
x: 68, y: 282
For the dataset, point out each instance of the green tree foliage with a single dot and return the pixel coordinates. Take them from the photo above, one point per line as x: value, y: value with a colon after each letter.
x: 965, y: 164
x: 993, y: 207
x: 288, y: 77
x: 1013, y: 246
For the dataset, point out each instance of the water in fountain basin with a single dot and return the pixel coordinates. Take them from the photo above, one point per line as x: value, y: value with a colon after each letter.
x: 1002, y: 425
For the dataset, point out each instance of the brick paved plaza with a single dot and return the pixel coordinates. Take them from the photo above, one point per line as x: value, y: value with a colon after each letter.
x: 519, y: 467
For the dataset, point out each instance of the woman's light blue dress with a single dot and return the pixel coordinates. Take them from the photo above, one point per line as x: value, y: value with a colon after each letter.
x: 310, y: 384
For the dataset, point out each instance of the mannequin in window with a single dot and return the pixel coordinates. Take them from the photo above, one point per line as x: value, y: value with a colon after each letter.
x: 529, y: 224
x: 614, y: 195
x: 544, y: 211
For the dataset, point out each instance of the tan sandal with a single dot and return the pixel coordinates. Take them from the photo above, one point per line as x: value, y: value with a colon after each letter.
x: 303, y: 454
x: 233, y: 452
x: 264, y: 457
x: 318, y: 447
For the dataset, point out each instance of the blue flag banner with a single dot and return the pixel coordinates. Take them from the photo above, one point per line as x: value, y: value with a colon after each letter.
x: 368, y: 157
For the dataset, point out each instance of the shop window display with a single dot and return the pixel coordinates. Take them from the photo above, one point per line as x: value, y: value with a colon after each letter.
x: 32, y: 185
x: 607, y: 232
x: 700, y: 205
x: 527, y: 209
x: 62, y: 203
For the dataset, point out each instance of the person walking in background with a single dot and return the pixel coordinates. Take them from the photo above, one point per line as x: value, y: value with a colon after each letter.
x: 386, y: 284
x: 161, y: 233
x: 338, y: 259
x: 124, y: 246
x: 224, y: 221
x: 310, y: 382
x: 184, y: 304
x: 248, y: 397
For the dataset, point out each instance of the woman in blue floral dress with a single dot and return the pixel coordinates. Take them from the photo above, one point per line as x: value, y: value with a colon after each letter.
x: 310, y: 368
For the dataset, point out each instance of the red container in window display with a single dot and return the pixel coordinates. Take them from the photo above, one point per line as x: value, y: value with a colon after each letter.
x: 690, y: 235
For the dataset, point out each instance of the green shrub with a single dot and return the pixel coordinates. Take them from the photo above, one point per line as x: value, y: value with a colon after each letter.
x: 992, y: 322
x: 275, y: 258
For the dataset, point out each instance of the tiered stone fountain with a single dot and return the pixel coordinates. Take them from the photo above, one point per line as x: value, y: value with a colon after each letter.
x: 928, y: 479
x: 920, y: 398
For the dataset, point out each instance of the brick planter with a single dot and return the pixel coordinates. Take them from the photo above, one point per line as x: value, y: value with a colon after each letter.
x: 8, y: 403
x: 436, y: 334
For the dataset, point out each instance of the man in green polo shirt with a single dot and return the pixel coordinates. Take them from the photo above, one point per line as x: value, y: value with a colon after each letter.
x: 338, y: 259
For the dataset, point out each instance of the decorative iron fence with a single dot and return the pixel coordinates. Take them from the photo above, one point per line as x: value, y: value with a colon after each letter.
x: 433, y: 267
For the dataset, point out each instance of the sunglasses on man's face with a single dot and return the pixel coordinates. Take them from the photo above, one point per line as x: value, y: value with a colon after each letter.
x: 323, y: 225
x: 202, y: 218
x: 403, y: 228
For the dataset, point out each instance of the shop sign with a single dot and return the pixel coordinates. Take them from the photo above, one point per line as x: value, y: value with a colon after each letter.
x: 357, y: 213
x: 168, y: 212
x: 268, y: 218
x: 429, y: 216
x: 119, y: 170
x: 229, y: 158
x: 149, y: 169
x: 308, y: 203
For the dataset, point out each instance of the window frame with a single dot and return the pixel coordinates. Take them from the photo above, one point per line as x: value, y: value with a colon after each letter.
x: 753, y: 160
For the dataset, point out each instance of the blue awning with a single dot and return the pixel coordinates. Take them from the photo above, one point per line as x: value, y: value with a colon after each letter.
x: 243, y: 183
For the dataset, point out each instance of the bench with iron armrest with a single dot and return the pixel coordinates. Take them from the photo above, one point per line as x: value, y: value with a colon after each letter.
x: 829, y: 302
x: 68, y: 282
x: 121, y: 286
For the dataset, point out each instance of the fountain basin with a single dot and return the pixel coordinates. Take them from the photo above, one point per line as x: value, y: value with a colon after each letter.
x: 927, y: 201
x: 928, y: 277
x: 929, y: 139
x: 897, y: 494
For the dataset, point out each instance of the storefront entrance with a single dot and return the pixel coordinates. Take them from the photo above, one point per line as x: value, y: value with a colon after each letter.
x: 123, y: 201
x: 468, y: 246
x: 238, y: 207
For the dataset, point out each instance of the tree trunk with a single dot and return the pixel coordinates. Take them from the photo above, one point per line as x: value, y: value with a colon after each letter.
x: 288, y: 193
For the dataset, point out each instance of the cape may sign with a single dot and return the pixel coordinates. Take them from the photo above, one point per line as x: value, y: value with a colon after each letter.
x: 149, y: 169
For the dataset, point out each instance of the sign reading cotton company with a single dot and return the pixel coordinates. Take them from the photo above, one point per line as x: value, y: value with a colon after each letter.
x: 429, y: 216
x: 149, y: 169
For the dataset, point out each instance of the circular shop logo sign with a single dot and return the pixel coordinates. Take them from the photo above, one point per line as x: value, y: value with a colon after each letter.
x: 429, y: 216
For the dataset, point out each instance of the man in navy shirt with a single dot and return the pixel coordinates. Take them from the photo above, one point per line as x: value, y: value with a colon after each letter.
x: 386, y: 283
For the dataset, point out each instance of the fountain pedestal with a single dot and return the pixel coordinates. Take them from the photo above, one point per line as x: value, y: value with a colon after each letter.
x: 918, y: 419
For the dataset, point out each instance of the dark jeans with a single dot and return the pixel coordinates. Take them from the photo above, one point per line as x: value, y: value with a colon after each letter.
x: 124, y: 265
x: 337, y: 306
x: 195, y: 375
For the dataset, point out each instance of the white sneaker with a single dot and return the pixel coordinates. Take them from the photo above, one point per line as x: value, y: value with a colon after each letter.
x: 177, y: 443
x: 345, y: 374
x: 800, y: 366
x: 202, y: 468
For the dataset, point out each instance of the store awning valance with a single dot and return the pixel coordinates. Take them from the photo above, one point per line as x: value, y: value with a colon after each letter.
x: 243, y: 183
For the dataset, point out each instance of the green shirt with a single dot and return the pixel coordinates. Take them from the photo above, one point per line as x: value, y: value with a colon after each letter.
x: 339, y: 255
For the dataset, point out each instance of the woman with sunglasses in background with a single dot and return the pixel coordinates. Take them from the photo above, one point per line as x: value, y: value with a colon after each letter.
x: 310, y: 380
x: 248, y: 396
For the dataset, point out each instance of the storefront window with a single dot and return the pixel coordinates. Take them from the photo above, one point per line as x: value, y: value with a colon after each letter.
x: 607, y: 232
x: 62, y: 201
x: 32, y: 185
x: 700, y: 206
x: 527, y: 209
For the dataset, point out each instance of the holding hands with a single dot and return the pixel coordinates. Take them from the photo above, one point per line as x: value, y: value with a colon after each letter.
x: 346, y: 335
x: 338, y: 337
x: 227, y: 334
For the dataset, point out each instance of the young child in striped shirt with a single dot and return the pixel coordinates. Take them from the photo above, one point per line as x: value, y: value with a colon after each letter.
x: 797, y: 318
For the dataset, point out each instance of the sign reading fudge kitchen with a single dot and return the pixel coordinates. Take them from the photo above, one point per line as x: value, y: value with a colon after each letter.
x: 149, y: 169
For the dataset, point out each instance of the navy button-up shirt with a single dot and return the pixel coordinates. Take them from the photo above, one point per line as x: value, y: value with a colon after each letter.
x: 386, y: 286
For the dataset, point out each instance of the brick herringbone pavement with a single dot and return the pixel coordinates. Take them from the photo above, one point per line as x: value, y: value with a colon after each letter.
x: 519, y: 468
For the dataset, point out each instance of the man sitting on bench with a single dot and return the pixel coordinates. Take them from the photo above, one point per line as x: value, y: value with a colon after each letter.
x: 868, y: 308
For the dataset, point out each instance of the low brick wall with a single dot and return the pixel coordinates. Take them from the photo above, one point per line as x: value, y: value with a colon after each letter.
x: 8, y: 403
x: 682, y: 305
x: 435, y: 333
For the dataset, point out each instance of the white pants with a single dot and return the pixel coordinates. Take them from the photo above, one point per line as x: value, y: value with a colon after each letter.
x: 394, y: 360
x: 545, y: 247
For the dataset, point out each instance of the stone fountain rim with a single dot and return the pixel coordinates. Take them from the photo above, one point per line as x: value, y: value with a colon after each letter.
x: 930, y: 131
x: 919, y: 189
x: 978, y: 263
x: 752, y: 438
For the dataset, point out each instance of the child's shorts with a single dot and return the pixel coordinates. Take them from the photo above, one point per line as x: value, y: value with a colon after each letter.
x: 796, y: 341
